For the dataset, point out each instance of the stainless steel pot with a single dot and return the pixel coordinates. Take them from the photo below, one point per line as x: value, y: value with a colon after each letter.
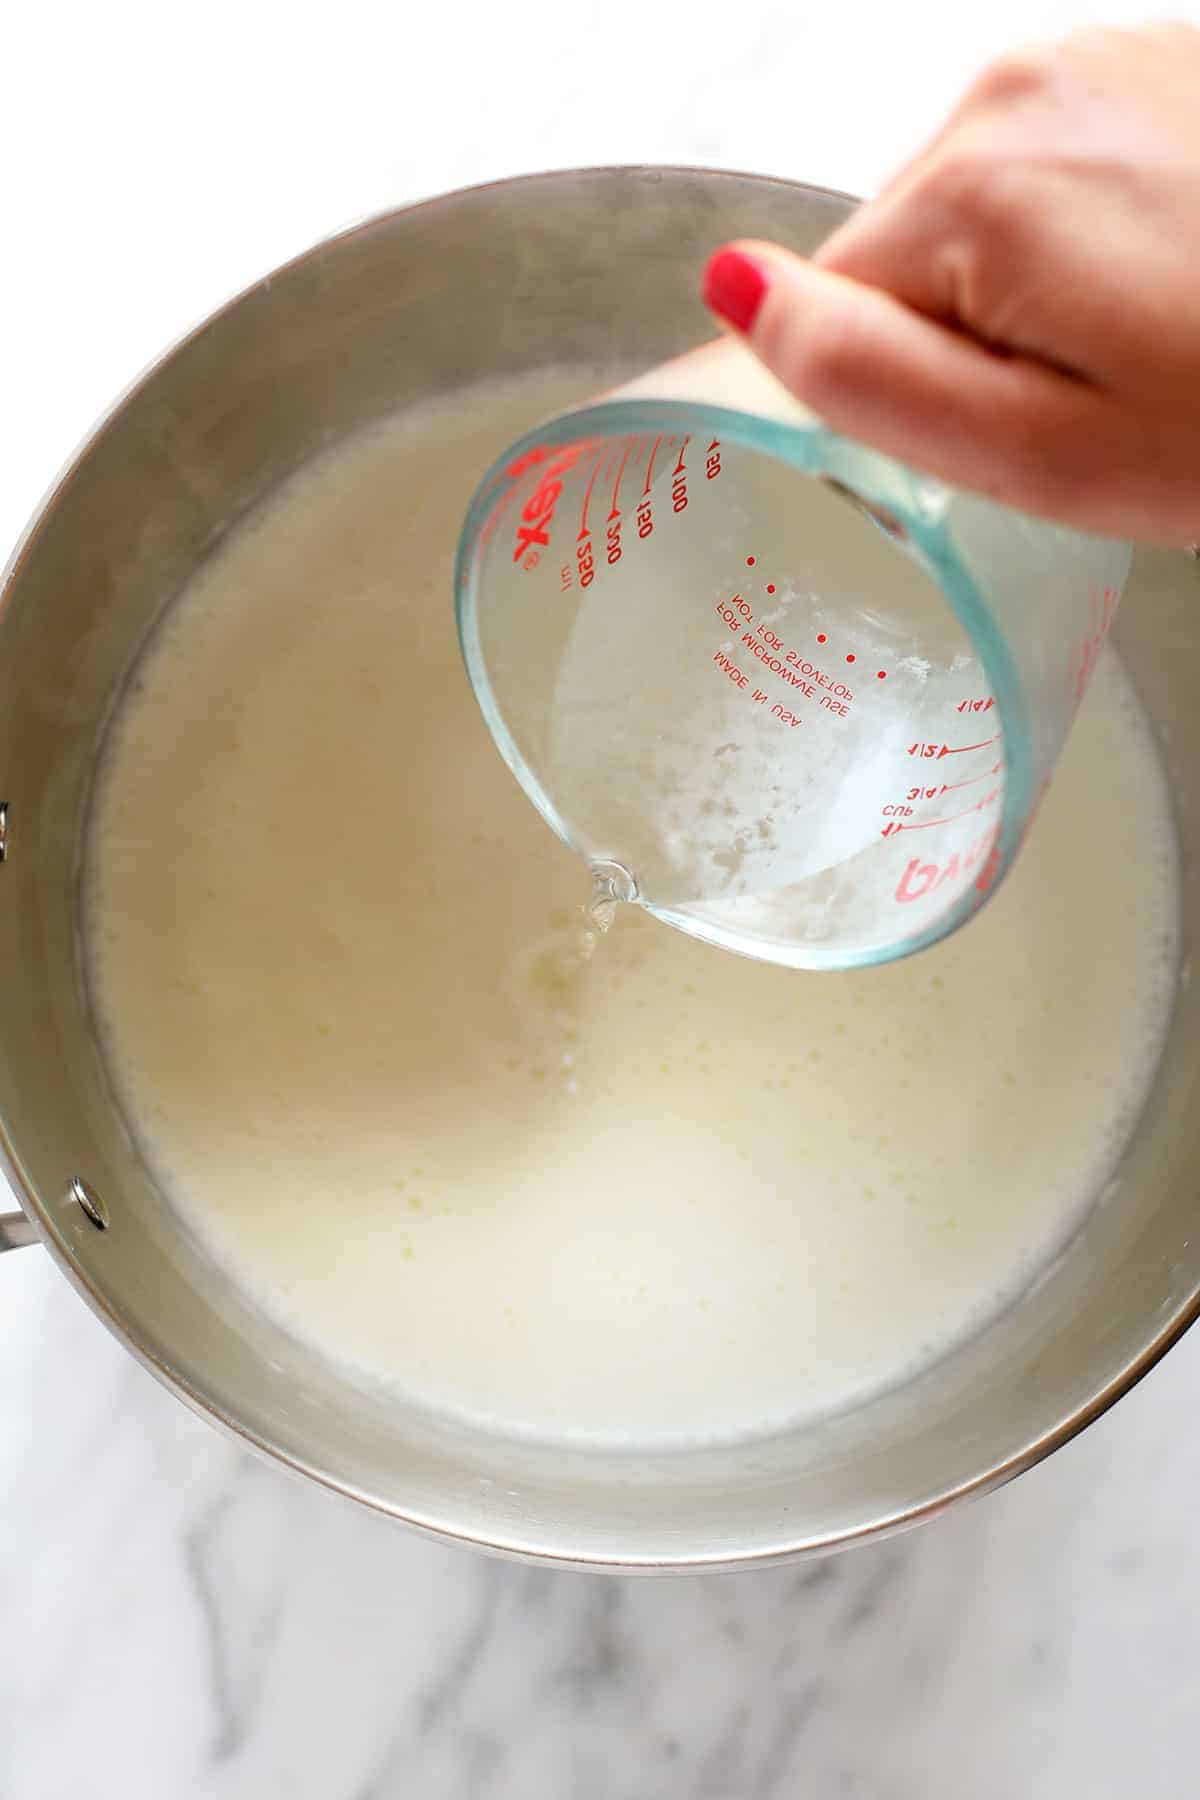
x: 596, y: 267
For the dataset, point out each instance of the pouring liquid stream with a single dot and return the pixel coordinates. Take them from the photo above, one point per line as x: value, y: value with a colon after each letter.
x: 612, y: 887
x: 553, y: 975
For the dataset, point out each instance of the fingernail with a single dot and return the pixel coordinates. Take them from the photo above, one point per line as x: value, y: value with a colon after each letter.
x: 734, y: 286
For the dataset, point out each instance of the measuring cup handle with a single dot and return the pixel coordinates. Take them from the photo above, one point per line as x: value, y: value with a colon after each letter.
x: 16, y: 1231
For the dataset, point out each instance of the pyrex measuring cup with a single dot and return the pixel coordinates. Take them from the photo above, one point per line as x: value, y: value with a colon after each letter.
x: 793, y: 697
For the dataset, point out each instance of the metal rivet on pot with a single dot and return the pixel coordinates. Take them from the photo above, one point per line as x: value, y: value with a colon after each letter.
x: 89, y: 1202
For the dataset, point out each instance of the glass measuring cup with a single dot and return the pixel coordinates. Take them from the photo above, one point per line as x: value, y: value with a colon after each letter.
x: 791, y: 696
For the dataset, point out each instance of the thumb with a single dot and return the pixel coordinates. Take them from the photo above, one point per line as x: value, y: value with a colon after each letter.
x: 877, y: 370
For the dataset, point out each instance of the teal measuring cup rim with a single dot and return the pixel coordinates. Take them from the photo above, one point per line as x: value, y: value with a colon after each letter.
x: 918, y: 503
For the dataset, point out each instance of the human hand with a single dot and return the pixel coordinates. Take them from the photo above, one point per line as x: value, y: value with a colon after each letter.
x: 1018, y: 311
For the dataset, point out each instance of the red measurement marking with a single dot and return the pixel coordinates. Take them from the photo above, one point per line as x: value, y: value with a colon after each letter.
x: 950, y: 787
x: 650, y: 464
x: 949, y: 819
x: 616, y: 511
x: 587, y: 498
x: 881, y: 674
x: 750, y: 561
x: 770, y: 587
x: 850, y: 656
x: 820, y: 637
x: 961, y: 749
x: 940, y: 750
x: 679, y: 485
x: 1101, y: 608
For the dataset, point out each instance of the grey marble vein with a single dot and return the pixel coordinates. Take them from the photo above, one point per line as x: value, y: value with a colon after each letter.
x: 242, y: 1601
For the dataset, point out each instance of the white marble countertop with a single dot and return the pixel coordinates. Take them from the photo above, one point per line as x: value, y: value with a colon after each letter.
x: 182, y: 1622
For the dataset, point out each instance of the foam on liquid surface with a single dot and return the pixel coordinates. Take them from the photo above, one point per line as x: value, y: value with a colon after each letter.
x: 660, y: 1195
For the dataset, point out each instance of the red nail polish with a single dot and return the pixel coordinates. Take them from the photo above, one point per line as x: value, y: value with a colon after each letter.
x: 735, y: 286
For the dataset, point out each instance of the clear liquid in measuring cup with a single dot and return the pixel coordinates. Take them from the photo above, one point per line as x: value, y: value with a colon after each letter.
x: 736, y: 712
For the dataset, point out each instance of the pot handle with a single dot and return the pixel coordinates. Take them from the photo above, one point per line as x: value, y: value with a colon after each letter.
x: 15, y: 1231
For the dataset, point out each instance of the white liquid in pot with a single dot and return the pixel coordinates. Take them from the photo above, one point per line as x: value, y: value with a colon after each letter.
x: 678, y: 1196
